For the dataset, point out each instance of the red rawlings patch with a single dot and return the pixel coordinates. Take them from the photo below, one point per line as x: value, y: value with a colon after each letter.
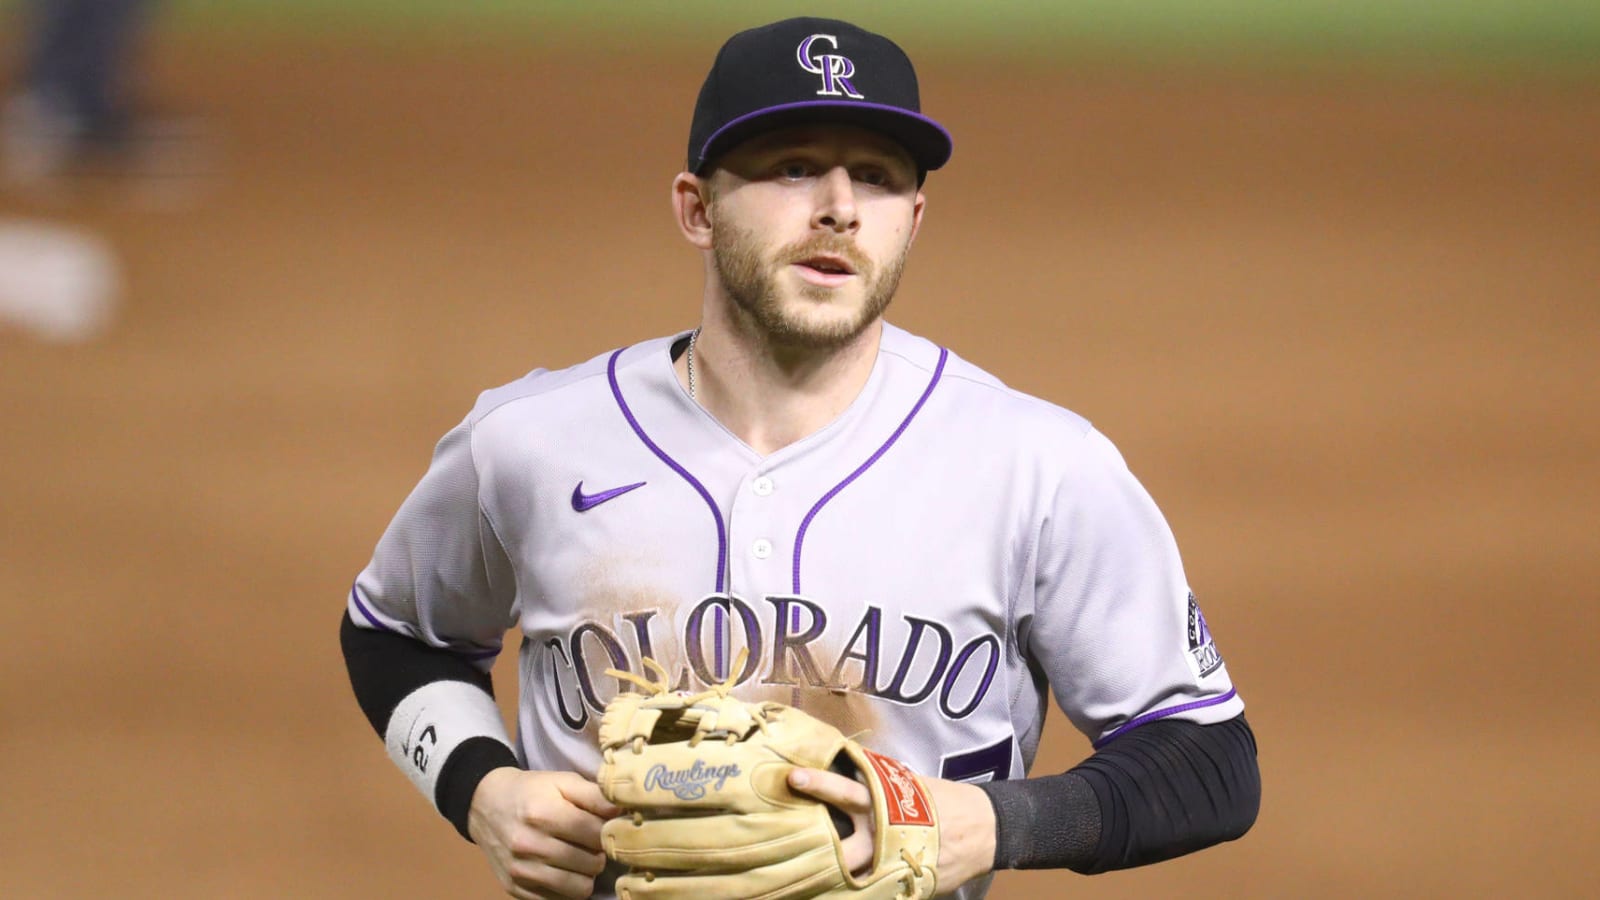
x: 908, y: 801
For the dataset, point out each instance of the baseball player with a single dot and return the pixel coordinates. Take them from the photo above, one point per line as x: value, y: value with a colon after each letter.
x: 801, y: 500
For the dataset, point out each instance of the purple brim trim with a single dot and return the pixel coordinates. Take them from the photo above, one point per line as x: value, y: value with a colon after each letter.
x: 944, y: 154
x: 473, y: 655
x: 1147, y: 718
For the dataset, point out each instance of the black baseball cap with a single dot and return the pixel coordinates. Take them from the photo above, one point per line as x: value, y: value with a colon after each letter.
x: 809, y: 70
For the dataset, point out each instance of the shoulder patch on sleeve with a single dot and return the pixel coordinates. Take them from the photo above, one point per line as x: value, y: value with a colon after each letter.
x: 1202, y: 649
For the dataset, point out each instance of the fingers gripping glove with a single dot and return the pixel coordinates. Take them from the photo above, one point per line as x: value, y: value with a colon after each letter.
x: 703, y: 780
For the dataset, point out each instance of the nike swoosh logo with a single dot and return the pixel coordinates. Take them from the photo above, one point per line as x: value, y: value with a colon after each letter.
x: 584, y: 502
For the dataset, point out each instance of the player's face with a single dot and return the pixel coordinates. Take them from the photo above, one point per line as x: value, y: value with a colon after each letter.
x: 810, y: 229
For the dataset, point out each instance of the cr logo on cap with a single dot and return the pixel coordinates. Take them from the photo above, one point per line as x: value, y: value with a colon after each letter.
x: 836, y: 70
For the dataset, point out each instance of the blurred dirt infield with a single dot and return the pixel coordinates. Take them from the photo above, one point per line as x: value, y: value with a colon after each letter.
x: 1347, y: 332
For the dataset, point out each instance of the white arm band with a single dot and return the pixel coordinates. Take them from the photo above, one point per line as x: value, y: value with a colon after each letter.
x: 432, y: 721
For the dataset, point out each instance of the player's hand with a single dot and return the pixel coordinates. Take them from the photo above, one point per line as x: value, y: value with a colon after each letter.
x: 966, y: 822
x: 966, y: 829
x: 846, y: 794
x: 540, y: 831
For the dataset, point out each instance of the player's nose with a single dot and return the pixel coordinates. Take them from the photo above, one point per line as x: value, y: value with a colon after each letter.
x: 836, y: 202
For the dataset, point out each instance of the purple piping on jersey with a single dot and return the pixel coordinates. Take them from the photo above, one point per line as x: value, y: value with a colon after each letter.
x: 1147, y: 718
x: 716, y: 514
x: 822, y: 104
x: 475, y: 656
x: 367, y: 613
x: 800, y: 537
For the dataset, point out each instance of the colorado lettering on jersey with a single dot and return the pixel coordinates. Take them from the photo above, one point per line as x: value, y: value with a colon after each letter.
x: 926, y: 662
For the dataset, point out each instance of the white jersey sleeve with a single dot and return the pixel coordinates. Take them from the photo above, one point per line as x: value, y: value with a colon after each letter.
x: 440, y: 573
x: 1115, y: 624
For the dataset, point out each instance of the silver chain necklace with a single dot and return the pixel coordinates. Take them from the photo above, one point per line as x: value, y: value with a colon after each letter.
x: 689, y: 358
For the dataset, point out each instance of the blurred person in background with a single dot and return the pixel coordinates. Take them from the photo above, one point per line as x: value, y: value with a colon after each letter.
x: 73, y: 105
x: 74, y: 109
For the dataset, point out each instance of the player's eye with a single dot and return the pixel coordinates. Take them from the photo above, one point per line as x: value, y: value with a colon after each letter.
x: 794, y: 170
x: 873, y: 176
x: 889, y: 178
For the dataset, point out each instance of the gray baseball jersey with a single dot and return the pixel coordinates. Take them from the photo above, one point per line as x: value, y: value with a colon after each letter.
x: 919, y: 571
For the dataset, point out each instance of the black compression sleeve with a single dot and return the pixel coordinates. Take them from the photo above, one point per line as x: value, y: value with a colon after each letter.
x: 385, y: 668
x: 1159, y: 791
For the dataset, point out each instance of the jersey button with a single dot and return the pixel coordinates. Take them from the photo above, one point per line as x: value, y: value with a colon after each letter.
x: 762, y: 486
x: 762, y: 548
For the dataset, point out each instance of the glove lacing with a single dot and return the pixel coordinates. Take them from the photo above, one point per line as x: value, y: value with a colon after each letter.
x: 720, y: 691
x: 909, y: 881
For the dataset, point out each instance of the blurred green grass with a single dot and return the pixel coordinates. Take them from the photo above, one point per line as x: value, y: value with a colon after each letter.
x: 1535, y: 33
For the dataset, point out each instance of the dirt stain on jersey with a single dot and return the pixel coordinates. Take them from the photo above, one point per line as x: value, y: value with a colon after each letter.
x: 850, y: 712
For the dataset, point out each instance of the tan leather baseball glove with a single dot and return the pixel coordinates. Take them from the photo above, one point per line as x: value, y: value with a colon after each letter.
x: 703, y: 778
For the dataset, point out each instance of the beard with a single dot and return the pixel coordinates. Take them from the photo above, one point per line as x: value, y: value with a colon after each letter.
x: 759, y: 299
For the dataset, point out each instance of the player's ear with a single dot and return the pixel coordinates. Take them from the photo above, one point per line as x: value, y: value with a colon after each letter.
x: 916, y: 215
x: 691, y: 204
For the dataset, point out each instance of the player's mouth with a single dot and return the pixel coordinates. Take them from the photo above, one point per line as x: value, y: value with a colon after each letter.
x: 826, y: 269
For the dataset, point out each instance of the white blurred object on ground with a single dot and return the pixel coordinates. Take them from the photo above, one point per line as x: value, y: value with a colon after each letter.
x: 58, y: 283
